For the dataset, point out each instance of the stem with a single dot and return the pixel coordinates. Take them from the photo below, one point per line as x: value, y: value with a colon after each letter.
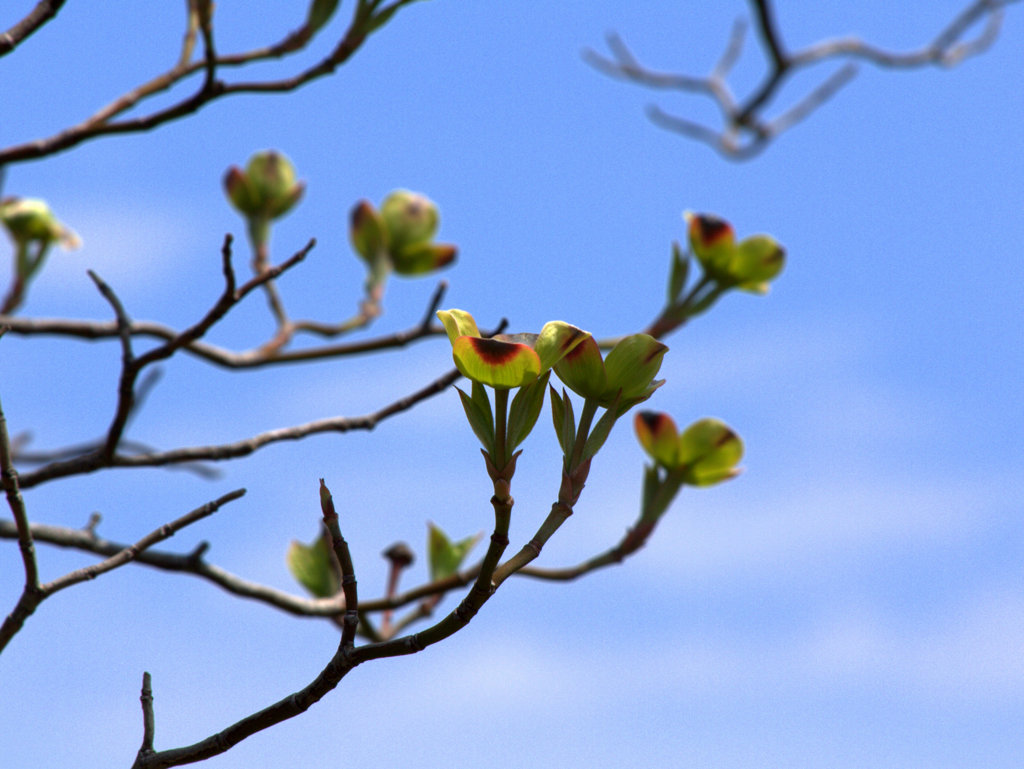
x: 500, y: 427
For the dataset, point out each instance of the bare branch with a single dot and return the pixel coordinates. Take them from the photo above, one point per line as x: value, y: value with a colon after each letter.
x: 31, y: 593
x: 95, y: 461
x: 256, y: 357
x: 31, y: 598
x: 745, y: 130
x: 366, y: 19
x: 37, y: 17
x: 131, y: 552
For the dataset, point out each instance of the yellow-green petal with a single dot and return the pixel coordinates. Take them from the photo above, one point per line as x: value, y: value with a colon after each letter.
x: 582, y: 369
x: 458, y: 323
x: 502, y: 365
x: 631, y: 366
x: 556, y: 340
x: 658, y: 436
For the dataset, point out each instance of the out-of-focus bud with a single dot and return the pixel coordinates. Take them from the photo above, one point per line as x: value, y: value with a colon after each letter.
x: 366, y: 232
x: 421, y: 258
x: 410, y: 218
x: 399, y: 237
x: 710, y: 451
x: 712, y: 241
x: 748, y: 265
x: 30, y: 220
x: 266, y: 189
x: 706, y: 452
x: 626, y: 374
x: 758, y: 260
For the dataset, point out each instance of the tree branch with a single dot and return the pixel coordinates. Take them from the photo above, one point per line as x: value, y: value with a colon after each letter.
x: 31, y: 599
x: 745, y: 130
x: 365, y: 20
x: 37, y: 17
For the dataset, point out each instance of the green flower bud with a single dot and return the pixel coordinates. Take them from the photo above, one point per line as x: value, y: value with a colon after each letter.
x: 712, y: 241
x: 626, y: 374
x: 30, y: 220
x: 758, y: 260
x: 267, y: 189
x: 706, y: 453
x: 366, y: 232
x: 410, y: 218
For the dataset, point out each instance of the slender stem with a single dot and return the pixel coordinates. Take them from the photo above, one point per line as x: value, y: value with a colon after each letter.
x: 500, y: 428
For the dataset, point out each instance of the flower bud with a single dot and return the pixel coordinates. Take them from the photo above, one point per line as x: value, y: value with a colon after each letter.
x: 758, y: 260
x: 410, y: 218
x: 30, y: 220
x: 704, y: 454
x: 712, y: 241
x: 266, y: 189
x: 710, y: 450
x: 366, y: 232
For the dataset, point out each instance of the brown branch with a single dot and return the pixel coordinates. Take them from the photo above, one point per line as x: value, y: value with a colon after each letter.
x: 745, y: 131
x: 366, y: 19
x: 30, y: 599
x: 31, y: 593
x: 256, y: 357
x: 37, y: 17
x: 95, y: 461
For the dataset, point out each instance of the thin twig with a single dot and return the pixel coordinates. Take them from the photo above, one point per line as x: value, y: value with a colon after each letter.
x: 103, y: 124
x: 31, y: 592
x: 256, y: 357
x: 745, y: 130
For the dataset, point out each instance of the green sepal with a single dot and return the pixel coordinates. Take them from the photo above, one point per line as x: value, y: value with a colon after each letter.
x: 659, y: 437
x: 758, y: 260
x: 444, y: 555
x: 599, y: 434
x: 480, y: 420
x: 320, y: 12
x: 712, y: 241
x: 567, y: 436
x: 556, y: 340
x: 558, y: 419
x: 678, y: 273
x: 524, y: 411
x: 313, y: 566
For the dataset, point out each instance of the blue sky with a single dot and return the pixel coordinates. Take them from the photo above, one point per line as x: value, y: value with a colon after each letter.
x: 853, y: 600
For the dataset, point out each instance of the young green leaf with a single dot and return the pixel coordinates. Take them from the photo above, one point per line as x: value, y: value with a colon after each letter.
x: 446, y: 556
x: 481, y: 422
x: 599, y: 434
x: 320, y: 12
x: 525, y: 409
x: 678, y: 273
x: 313, y: 566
